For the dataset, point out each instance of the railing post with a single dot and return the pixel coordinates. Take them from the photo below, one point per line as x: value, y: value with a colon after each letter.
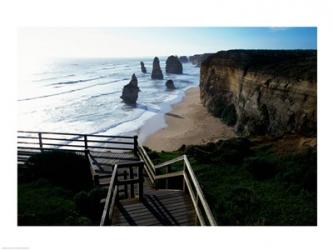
x: 167, y: 180
x: 40, y: 141
x: 136, y: 145
x: 141, y: 182
x: 184, y: 182
x: 131, y: 177
x: 125, y: 187
x: 85, y: 142
x: 85, y: 146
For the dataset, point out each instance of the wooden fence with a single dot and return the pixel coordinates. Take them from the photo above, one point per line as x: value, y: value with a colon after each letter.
x: 115, y: 182
x: 190, y: 183
x: 31, y: 142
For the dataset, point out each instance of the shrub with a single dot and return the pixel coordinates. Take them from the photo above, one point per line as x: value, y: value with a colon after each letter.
x: 63, y: 168
x: 82, y: 202
x: 301, y: 169
x: 240, y: 207
x: 261, y: 168
x: 89, y: 203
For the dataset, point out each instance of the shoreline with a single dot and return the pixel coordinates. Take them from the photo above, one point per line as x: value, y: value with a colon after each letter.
x: 188, y: 123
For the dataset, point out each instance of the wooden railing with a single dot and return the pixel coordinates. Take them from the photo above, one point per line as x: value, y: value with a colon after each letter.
x: 30, y: 142
x: 115, y: 182
x: 203, y: 212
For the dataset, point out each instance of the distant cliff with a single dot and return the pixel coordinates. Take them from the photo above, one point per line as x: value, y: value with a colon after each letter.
x: 262, y: 91
x: 199, y: 58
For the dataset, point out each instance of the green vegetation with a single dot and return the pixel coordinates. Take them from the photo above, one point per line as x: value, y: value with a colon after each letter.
x: 55, y: 188
x: 62, y: 168
x: 248, y: 183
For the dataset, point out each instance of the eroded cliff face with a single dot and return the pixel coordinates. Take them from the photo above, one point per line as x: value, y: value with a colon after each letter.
x: 262, y: 91
x: 199, y: 58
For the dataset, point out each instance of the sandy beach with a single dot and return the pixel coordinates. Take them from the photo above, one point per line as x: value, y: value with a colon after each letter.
x: 188, y: 123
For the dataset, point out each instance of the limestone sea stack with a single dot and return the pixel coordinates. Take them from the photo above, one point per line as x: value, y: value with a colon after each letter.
x: 173, y: 65
x: 143, y: 68
x: 262, y: 92
x: 130, y: 91
x: 156, y: 72
x: 170, y: 85
x: 183, y: 59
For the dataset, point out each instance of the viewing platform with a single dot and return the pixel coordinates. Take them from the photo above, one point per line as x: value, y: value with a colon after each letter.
x: 139, y: 192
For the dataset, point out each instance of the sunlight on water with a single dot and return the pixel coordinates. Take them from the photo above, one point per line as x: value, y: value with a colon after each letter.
x: 83, y: 95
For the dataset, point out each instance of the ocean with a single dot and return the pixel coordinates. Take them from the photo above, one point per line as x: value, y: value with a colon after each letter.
x: 83, y: 96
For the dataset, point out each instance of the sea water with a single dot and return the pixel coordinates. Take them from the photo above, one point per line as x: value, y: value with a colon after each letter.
x: 83, y: 96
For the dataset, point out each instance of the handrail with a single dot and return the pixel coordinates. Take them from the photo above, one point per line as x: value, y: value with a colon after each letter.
x: 113, y: 189
x: 60, y: 133
x: 196, y: 193
x: 200, y: 194
x: 33, y: 140
x: 109, y: 197
x: 177, y: 159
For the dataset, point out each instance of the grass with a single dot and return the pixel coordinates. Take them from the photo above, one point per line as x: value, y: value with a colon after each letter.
x: 56, y: 189
x: 258, y: 187
x: 42, y: 203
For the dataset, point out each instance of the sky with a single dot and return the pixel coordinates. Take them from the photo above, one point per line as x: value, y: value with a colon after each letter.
x: 140, y: 42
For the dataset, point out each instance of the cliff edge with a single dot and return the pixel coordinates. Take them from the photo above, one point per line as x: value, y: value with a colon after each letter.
x: 262, y: 91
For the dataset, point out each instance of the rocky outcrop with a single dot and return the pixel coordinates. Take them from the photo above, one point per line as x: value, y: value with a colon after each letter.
x: 143, y: 68
x: 156, y: 72
x: 173, y: 65
x: 199, y: 58
x: 130, y: 91
x: 183, y: 59
x: 262, y: 91
x: 170, y: 85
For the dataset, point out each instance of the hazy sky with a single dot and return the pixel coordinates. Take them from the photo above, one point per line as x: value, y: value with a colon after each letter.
x: 135, y: 42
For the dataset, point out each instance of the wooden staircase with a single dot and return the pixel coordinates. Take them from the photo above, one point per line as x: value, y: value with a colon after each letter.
x: 139, y: 192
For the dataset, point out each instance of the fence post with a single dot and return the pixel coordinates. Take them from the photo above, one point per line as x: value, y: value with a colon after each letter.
x: 40, y: 141
x: 167, y: 170
x: 85, y: 142
x: 141, y: 181
x: 184, y: 172
x: 136, y: 145
x: 85, y: 146
x: 125, y: 187
x: 131, y: 177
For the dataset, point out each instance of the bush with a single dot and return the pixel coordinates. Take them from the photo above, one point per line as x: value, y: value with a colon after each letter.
x: 82, y: 202
x: 240, y: 207
x: 62, y: 168
x: 231, y: 151
x: 261, y: 168
x: 301, y: 170
x: 89, y: 203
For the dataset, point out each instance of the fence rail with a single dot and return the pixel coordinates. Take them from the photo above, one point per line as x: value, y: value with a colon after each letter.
x: 190, y: 183
x: 115, y: 182
x: 34, y: 142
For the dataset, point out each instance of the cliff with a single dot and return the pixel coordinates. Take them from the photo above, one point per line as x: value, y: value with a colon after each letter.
x: 199, y: 58
x: 262, y: 91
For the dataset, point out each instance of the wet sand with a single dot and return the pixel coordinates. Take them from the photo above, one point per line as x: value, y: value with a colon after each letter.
x: 188, y: 123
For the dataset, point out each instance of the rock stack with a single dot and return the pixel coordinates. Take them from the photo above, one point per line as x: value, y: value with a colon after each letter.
x: 173, y: 65
x: 130, y: 91
x: 183, y: 59
x: 156, y: 72
x: 143, y: 68
x: 170, y: 85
